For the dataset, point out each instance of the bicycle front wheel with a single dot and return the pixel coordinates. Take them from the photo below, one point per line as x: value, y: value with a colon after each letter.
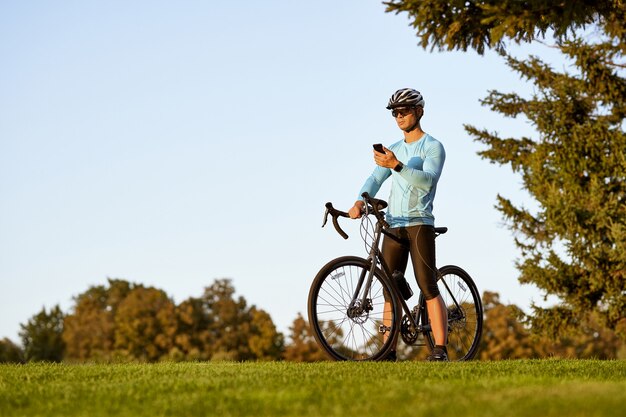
x: 465, y: 313
x: 350, y: 319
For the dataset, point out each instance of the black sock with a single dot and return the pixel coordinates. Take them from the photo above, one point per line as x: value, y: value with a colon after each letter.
x: 442, y: 347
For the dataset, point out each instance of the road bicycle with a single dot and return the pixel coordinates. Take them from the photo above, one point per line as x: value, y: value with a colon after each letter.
x: 357, y: 306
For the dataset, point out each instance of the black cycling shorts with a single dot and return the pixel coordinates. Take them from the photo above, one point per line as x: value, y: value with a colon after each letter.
x: 419, y: 242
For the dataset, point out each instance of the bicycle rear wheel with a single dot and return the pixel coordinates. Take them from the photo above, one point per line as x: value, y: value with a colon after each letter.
x: 343, y: 325
x: 465, y: 313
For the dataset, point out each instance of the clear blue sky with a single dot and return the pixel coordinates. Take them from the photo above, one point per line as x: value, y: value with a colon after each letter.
x: 173, y: 143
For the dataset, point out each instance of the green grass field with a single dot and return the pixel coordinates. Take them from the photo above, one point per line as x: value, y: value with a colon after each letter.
x: 507, y: 388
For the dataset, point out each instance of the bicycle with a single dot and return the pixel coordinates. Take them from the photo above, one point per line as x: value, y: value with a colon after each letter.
x: 355, y: 304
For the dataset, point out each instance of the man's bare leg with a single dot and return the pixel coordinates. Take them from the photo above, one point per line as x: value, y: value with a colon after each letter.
x: 438, y: 315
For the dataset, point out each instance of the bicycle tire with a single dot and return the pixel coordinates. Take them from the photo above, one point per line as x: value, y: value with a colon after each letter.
x: 343, y: 334
x: 465, y: 316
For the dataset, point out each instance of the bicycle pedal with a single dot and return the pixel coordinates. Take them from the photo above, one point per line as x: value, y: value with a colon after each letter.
x: 383, y: 329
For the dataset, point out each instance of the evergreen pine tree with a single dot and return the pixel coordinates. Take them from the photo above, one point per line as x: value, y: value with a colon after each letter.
x: 574, y: 245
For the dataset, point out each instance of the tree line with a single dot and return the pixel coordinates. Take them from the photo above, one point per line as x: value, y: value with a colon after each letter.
x: 124, y: 321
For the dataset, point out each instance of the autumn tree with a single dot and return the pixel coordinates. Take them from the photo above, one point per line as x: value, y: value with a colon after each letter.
x: 229, y: 322
x: 219, y: 326
x: 238, y: 332
x: 302, y: 346
x: 10, y: 352
x: 89, y: 331
x: 42, y: 336
x: 120, y: 320
x: 590, y: 339
x: 193, y: 340
x: 507, y: 335
x: 125, y: 321
x: 265, y: 342
x: 145, y: 324
x: 574, y: 245
x: 504, y: 333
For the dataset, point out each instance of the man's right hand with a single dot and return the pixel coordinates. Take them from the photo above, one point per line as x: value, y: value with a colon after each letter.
x: 357, y: 209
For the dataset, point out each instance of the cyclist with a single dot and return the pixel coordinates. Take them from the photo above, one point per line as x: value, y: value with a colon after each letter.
x: 414, y: 164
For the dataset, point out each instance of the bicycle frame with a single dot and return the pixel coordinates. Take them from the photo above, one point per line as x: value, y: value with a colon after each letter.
x: 376, y: 259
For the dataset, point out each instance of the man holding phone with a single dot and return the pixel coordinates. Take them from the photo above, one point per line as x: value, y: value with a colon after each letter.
x: 415, y: 164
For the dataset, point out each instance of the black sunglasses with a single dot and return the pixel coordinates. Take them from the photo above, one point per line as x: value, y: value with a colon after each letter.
x: 402, y: 111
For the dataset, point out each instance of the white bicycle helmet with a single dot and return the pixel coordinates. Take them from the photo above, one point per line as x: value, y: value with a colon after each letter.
x: 406, y: 97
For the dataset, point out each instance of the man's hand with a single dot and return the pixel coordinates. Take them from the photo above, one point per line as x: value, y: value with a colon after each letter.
x: 386, y: 160
x: 357, y: 209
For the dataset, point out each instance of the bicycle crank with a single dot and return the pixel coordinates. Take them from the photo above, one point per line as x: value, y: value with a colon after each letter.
x: 408, y: 332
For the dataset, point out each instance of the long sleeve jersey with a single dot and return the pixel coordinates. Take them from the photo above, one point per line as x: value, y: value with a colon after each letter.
x: 413, y: 188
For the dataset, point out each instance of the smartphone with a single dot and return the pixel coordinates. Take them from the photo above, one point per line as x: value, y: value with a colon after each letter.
x: 378, y: 147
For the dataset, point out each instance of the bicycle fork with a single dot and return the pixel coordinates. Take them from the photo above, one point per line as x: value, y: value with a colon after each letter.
x: 363, y: 304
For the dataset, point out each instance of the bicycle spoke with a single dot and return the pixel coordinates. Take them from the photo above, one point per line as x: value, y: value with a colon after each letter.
x: 348, y: 296
x: 340, y: 301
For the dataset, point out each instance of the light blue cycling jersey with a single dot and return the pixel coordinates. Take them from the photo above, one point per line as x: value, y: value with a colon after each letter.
x: 413, y: 188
